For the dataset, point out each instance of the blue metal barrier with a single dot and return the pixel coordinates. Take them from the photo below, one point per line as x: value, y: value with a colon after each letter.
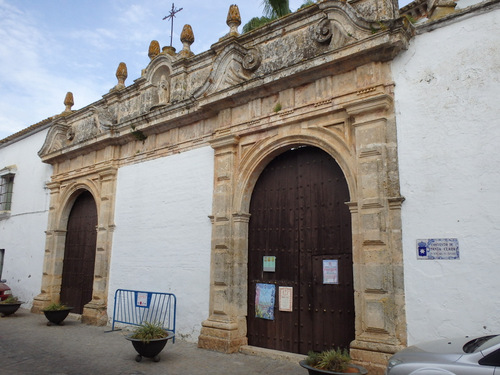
x: 135, y: 307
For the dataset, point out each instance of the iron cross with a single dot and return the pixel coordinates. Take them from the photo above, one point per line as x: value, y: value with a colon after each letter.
x: 171, y: 16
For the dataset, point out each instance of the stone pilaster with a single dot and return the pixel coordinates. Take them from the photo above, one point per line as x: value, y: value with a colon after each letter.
x: 225, y: 329
x: 95, y: 312
x: 380, y: 320
x: 54, y: 255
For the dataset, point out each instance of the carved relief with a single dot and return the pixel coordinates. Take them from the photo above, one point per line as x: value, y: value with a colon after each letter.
x: 163, y: 90
x: 105, y: 119
x: 161, y: 86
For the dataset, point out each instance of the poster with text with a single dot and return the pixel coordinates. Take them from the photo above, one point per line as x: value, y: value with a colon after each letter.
x: 285, y: 298
x: 330, y: 271
x: 265, y: 295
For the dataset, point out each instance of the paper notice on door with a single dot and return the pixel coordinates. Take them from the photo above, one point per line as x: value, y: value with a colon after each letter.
x: 285, y: 298
x: 330, y: 271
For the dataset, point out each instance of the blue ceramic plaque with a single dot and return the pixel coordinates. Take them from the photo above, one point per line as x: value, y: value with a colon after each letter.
x: 438, y: 248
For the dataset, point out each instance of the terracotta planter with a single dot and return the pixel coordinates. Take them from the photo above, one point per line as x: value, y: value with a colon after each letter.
x: 7, y: 309
x: 352, y: 369
x: 149, y: 349
x: 57, y: 316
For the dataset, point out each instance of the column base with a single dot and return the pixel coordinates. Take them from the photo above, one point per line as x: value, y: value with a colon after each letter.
x: 95, y: 314
x: 373, y: 355
x: 40, y: 302
x: 221, y: 336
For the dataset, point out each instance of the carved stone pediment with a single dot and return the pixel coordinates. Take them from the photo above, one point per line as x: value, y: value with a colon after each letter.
x: 234, y: 64
x: 57, y: 137
x: 342, y: 24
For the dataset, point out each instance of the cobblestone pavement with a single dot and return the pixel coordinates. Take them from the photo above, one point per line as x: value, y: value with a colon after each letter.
x: 28, y: 346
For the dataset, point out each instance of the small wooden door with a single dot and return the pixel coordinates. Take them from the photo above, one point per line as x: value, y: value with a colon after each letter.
x: 79, y: 253
x: 299, y: 215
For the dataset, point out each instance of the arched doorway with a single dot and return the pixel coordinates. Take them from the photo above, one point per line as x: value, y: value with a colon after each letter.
x: 299, y: 217
x: 79, y: 253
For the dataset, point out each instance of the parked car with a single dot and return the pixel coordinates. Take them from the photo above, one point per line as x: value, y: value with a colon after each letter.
x: 467, y: 355
x: 4, y: 291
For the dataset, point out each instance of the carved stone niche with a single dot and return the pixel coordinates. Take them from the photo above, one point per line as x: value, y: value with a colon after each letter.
x: 161, y: 83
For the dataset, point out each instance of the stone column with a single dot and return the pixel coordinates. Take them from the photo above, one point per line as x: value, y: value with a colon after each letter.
x: 225, y: 329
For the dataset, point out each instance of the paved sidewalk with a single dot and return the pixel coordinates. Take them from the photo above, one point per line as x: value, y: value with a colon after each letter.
x: 28, y: 346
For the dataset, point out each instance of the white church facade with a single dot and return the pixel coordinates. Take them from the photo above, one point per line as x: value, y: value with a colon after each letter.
x: 354, y: 149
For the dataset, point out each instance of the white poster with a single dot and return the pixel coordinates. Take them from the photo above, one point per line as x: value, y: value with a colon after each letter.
x: 286, y: 298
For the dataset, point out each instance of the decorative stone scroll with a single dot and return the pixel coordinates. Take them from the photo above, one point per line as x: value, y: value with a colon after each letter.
x: 252, y: 59
x: 330, y: 31
x: 323, y: 31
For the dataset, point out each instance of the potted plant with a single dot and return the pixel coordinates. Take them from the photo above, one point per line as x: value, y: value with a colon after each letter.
x: 56, y: 313
x: 149, y: 339
x: 334, y: 362
x: 9, y: 305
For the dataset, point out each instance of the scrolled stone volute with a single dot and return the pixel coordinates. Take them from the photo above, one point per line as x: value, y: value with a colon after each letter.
x: 68, y: 102
x: 154, y: 49
x: 187, y: 38
x: 121, y: 75
x: 233, y: 20
x: 323, y: 31
x: 252, y: 59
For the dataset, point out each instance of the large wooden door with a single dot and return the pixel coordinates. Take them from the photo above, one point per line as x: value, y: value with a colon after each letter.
x: 79, y: 253
x: 299, y: 215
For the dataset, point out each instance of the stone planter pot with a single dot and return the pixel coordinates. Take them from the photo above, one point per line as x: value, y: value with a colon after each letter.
x: 7, y: 309
x: 56, y: 316
x: 149, y: 349
x: 352, y: 369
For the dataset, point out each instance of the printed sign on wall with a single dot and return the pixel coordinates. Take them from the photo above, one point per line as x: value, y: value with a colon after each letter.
x: 264, y: 301
x: 438, y: 248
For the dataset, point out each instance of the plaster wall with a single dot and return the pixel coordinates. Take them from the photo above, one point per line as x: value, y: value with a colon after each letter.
x: 447, y: 90
x: 22, y: 233
x: 163, y: 233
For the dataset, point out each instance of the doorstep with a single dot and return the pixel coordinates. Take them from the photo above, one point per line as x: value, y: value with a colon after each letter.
x: 271, y: 353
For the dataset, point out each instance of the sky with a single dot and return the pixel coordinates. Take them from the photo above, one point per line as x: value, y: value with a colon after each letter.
x: 50, y: 47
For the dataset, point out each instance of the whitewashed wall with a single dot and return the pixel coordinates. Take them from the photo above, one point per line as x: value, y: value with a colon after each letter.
x: 448, y: 116
x: 22, y: 235
x: 163, y: 233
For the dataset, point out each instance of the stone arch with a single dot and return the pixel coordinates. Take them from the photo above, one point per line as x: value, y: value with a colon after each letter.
x: 101, y: 185
x: 253, y: 163
x: 68, y: 197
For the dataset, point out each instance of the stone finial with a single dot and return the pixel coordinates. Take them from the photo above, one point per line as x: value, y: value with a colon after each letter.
x: 154, y: 49
x: 187, y: 38
x: 233, y: 20
x: 68, y: 102
x: 121, y: 75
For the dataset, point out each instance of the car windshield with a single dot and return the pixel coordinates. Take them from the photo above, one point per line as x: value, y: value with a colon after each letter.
x: 481, y: 343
